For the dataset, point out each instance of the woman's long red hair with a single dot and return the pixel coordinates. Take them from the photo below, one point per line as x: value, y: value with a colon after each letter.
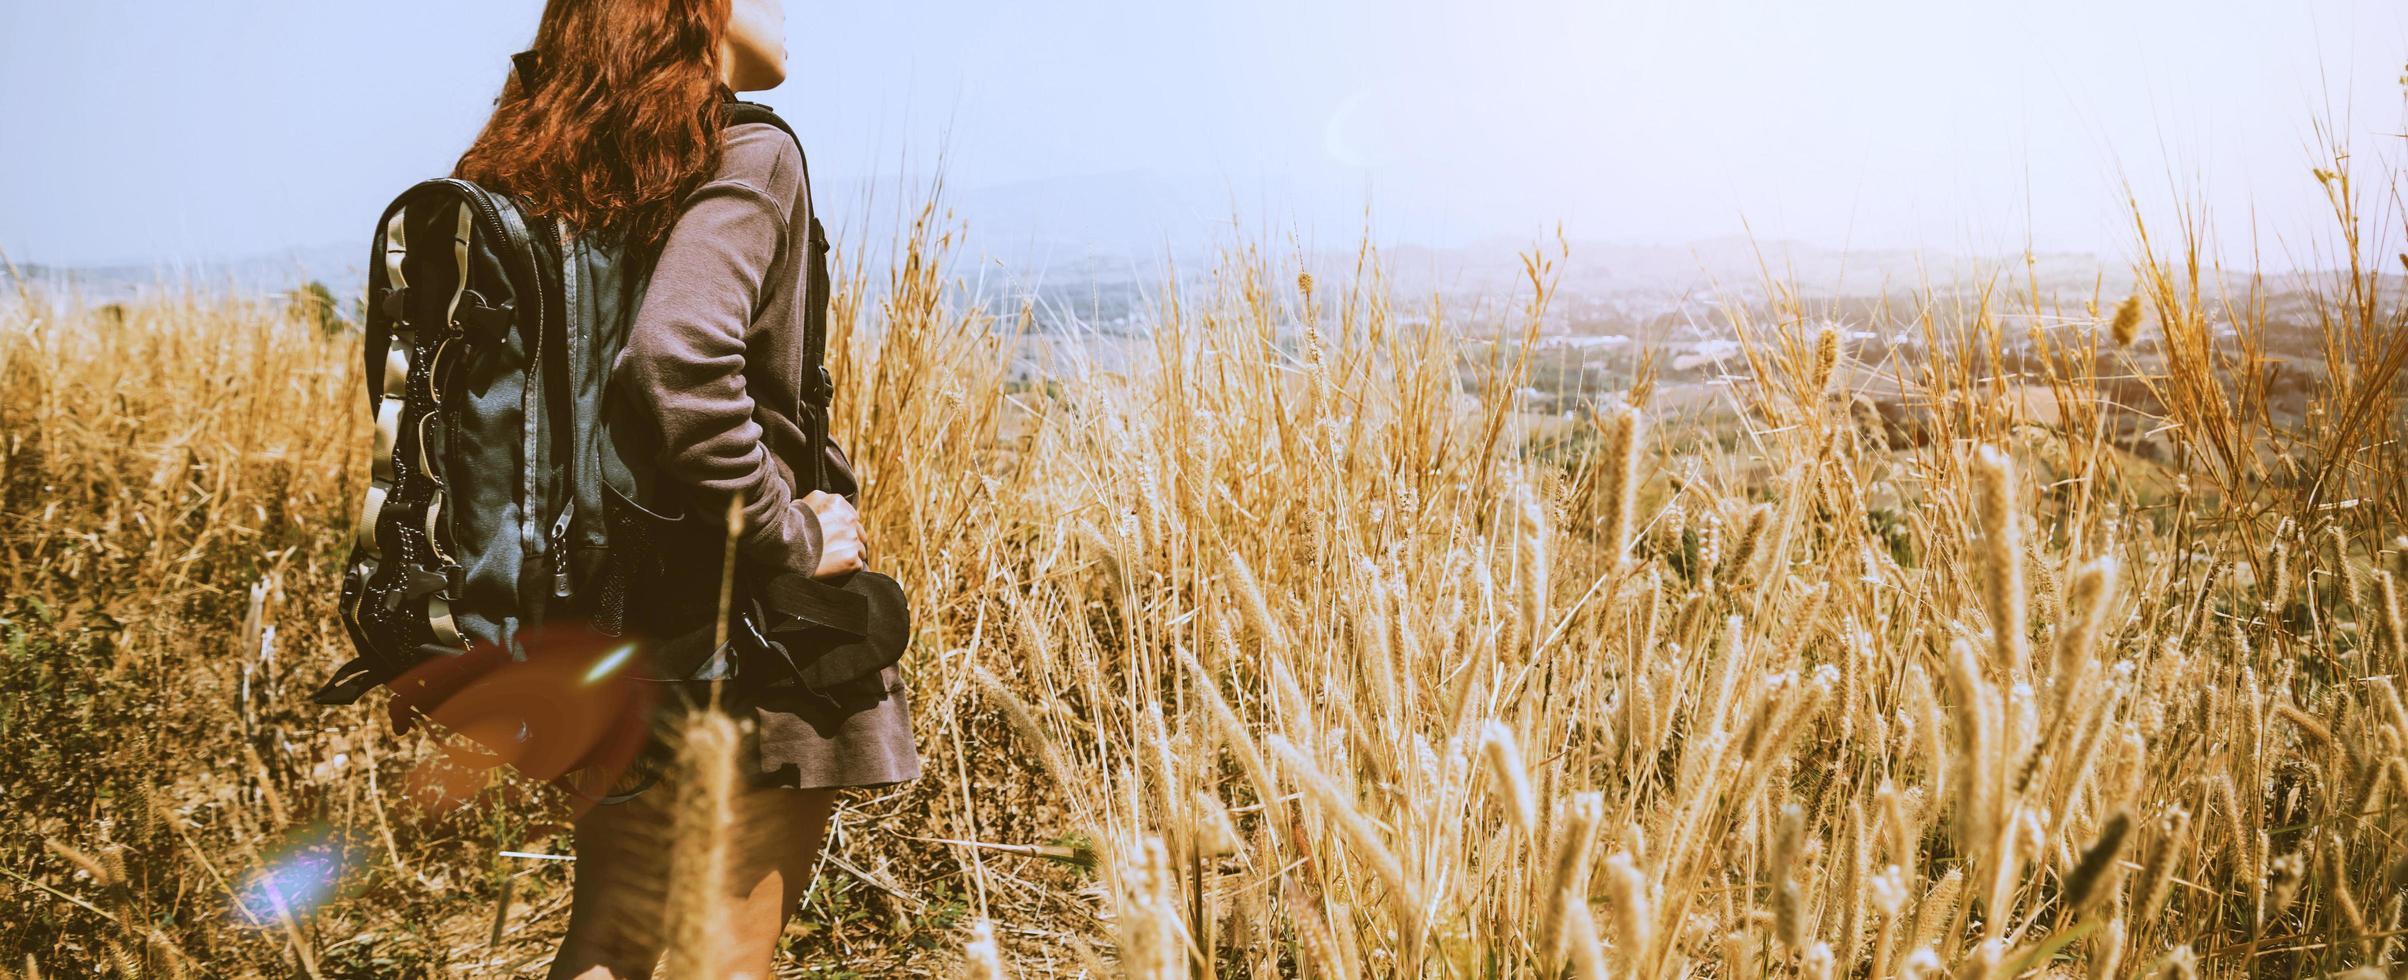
x: 618, y: 124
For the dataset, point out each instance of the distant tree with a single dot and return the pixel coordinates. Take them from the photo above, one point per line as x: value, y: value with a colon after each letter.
x: 314, y: 303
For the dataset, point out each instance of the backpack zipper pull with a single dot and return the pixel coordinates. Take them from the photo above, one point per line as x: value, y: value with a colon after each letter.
x: 560, y: 554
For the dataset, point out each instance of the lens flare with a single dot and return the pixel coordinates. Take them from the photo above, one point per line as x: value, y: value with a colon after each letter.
x: 610, y: 664
x: 301, y: 876
x: 573, y: 701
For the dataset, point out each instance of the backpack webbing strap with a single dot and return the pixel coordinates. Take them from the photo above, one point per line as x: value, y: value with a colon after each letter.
x: 391, y: 383
x: 815, y: 601
x: 819, y: 388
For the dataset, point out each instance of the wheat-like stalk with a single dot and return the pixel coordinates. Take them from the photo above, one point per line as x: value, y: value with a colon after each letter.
x: 982, y: 958
x: 2125, y: 327
x: 1634, y: 911
x: 1506, y: 774
x: 2002, y: 559
x: 1338, y: 808
x: 1568, y: 878
x: 2086, y: 613
x: 1977, y: 751
x: 1152, y: 946
x: 2090, y: 877
x: 1788, y: 890
x: 2157, y: 872
x: 1530, y: 558
x: 1618, y: 463
x: 702, y: 832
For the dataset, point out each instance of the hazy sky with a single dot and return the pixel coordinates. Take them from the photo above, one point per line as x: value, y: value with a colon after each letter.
x: 140, y: 130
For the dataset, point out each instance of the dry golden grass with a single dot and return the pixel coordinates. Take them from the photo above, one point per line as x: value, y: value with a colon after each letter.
x: 1268, y: 655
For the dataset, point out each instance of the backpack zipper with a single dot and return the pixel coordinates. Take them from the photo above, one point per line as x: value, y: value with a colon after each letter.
x: 570, y: 255
x: 530, y: 540
x: 560, y: 553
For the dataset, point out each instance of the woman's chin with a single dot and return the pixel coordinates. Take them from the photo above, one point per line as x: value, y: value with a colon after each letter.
x: 761, y: 79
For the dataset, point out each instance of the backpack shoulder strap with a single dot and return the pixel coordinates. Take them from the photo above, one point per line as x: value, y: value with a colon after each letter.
x: 737, y: 112
x: 819, y: 388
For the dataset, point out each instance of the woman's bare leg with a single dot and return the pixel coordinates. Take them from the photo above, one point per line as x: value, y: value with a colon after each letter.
x: 621, y: 879
x: 782, y: 830
x: 615, y: 913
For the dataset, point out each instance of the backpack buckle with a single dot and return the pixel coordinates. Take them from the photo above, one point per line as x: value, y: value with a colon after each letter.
x: 485, y: 320
x: 395, y: 305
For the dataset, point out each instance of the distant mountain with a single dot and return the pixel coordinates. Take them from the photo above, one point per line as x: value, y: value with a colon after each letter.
x: 1093, y: 250
x: 342, y: 267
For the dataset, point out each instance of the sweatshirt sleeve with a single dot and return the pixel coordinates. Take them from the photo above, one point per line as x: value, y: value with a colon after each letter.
x: 684, y: 367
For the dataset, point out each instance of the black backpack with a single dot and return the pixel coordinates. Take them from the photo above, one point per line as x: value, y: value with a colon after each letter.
x: 498, y: 503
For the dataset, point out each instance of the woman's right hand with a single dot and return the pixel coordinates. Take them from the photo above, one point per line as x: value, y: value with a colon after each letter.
x: 840, y: 549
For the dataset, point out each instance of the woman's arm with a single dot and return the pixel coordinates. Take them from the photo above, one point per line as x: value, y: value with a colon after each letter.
x: 684, y: 367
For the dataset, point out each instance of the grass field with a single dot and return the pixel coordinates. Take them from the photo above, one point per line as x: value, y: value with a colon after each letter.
x: 1270, y: 652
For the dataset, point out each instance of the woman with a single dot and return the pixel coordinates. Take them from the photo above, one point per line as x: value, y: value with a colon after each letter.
x: 612, y: 127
